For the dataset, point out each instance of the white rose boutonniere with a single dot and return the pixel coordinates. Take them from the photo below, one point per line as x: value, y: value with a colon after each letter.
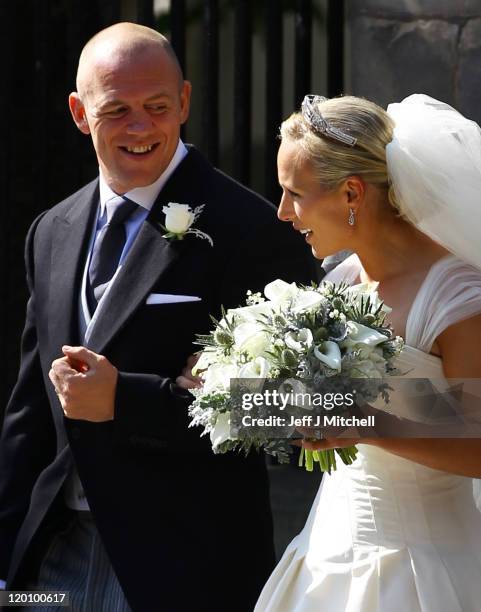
x: 179, y: 219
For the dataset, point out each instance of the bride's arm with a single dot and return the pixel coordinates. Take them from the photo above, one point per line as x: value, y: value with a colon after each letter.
x: 460, y: 346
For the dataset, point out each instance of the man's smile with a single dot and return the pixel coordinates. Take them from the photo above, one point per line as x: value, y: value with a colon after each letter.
x: 139, y: 150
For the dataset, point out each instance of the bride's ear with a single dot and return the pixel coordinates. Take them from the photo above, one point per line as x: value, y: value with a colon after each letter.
x: 355, y: 189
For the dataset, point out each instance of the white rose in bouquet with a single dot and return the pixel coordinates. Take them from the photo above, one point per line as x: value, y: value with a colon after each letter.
x: 251, y: 338
x: 280, y: 292
x: 217, y: 377
x: 307, y: 300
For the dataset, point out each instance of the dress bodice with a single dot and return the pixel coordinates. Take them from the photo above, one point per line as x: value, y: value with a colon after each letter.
x: 386, y: 533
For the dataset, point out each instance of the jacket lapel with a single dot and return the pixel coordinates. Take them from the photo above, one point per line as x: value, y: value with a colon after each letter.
x: 71, y: 235
x: 150, y: 257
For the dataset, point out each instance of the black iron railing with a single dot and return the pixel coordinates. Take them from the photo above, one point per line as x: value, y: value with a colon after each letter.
x: 44, y: 158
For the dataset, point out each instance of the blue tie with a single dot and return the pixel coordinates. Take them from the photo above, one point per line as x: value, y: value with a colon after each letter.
x: 108, y: 248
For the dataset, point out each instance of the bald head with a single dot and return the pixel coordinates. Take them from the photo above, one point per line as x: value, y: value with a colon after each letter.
x: 132, y: 100
x: 121, y: 43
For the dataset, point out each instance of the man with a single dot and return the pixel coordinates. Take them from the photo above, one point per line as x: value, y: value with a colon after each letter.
x: 104, y: 491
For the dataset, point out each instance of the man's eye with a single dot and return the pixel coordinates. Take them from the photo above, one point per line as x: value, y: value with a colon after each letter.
x: 115, y: 112
x: 293, y: 194
x: 157, y: 108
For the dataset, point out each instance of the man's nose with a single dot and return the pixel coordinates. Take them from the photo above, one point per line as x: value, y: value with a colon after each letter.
x: 139, y: 122
x: 285, y: 212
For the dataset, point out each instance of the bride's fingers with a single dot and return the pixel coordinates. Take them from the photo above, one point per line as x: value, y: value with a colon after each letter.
x: 315, y: 444
x: 320, y: 444
x: 328, y: 443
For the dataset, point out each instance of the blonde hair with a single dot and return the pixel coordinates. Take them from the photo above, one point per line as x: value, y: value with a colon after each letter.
x: 334, y: 161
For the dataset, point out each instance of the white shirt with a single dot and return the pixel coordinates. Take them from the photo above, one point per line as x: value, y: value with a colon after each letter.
x: 145, y: 198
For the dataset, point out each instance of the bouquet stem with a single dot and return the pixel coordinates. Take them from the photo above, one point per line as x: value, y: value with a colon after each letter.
x: 326, y: 458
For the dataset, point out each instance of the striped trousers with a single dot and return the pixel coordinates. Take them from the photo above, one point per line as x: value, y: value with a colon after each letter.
x: 77, y: 562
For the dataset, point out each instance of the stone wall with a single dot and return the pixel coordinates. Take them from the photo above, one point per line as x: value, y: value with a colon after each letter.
x: 400, y: 47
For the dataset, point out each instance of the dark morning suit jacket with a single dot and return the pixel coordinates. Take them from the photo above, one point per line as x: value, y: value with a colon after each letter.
x: 184, y: 529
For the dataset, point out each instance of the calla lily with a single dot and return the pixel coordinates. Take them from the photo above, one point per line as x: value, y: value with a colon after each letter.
x: 298, y: 393
x: 258, y: 368
x: 280, y: 291
x: 221, y: 431
x: 206, y: 359
x: 299, y: 341
x: 361, y: 334
x: 329, y: 353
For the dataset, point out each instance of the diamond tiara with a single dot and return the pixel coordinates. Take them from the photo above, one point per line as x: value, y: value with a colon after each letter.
x: 317, y: 123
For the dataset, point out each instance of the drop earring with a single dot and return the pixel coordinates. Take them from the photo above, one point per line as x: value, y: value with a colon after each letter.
x: 352, y: 217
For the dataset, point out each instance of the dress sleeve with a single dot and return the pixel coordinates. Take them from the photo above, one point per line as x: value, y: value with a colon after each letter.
x: 450, y: 293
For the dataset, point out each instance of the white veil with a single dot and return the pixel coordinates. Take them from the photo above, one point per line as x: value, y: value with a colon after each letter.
x: 434, y: 162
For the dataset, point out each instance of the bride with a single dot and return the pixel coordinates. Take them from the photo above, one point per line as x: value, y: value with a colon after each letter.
x: 399, y: 529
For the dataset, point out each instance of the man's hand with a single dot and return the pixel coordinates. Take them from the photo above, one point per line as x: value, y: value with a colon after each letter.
x: 187, y: 380
x: 85, y: 383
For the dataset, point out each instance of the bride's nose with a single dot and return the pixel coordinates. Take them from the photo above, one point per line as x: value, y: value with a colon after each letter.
x: 285, y: 212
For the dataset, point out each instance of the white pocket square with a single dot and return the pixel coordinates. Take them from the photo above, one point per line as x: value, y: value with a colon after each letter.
x: 169, y: 298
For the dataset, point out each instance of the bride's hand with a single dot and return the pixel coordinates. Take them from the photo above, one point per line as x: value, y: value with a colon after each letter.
x: 309, y: 443
x: 187, y: 380
x: 328, y: 443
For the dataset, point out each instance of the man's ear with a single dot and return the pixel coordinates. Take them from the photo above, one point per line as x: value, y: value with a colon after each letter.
x: 78, y: 112
x: 185, y: 101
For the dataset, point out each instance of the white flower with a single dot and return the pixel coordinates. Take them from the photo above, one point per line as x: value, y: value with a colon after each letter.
x: 217, y: 377
x: 251, y: 338
x: 307, y: 300
x: 363, y: 290
x: 361, y: 334
x: 221, y: 431
x: 299, y: 341
x: 179, y: 219
x: 258, y: 368
x: 206, y: 359
x: 280, y: 292
x: 329, y: 353
x: 253, y: 312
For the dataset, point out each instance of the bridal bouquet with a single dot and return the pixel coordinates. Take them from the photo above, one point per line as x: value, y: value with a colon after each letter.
x: 328, y: 334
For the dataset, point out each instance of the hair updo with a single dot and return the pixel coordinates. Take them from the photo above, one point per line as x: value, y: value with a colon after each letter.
x: 334, y: 161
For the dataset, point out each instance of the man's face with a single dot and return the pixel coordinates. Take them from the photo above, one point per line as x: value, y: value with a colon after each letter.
x: 133, y: 108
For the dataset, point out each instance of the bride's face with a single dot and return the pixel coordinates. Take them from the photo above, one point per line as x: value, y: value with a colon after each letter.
x: 319, y: 214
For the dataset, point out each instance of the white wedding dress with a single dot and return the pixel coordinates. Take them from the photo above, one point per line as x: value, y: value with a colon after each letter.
x: 386, y: 534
